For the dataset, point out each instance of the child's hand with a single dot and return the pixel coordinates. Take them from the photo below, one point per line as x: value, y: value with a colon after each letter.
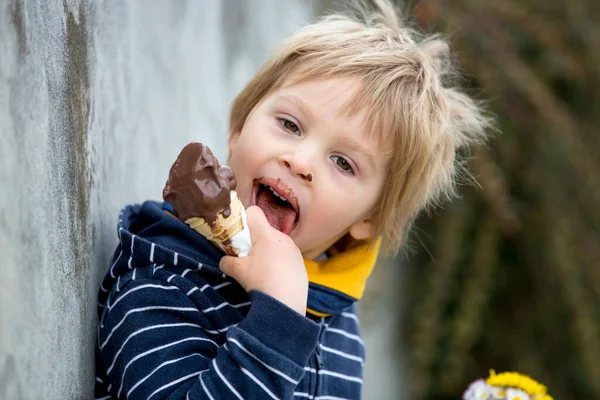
x: 274, y: 265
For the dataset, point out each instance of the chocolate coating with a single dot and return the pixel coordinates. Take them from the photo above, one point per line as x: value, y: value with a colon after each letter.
x: 198, y: 186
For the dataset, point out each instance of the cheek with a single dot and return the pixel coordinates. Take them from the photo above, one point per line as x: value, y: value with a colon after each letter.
x: 358, y: 200
x: 246, y: 159
x: 338, y: 202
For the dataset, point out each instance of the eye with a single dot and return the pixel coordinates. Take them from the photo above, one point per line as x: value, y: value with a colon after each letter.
x: 342, y: 163
x: 290, y: 126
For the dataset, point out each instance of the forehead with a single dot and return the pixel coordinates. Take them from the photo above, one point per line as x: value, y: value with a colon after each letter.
x: 323, y: 97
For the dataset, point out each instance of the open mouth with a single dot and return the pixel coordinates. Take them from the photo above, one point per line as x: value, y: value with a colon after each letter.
x: 277, y: 202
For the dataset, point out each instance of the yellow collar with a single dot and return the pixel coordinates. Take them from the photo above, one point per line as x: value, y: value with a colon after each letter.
x: 345, y: 272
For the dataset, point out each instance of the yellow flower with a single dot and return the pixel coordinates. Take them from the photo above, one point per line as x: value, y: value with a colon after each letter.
x: 519, y: 381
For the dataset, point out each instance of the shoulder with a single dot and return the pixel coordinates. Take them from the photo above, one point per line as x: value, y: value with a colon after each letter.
x: 343, y: 332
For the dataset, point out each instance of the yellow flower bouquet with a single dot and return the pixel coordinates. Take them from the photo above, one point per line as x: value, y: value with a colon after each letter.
x: 506, y: 386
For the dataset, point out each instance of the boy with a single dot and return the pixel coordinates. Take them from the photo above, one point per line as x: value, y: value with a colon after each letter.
x: 336, y: 144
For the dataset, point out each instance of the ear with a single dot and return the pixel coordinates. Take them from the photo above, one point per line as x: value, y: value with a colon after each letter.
x: 362, y: 230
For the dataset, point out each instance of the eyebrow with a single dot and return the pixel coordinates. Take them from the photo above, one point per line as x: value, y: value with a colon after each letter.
x: 302, y: 106
x: 352, y: 145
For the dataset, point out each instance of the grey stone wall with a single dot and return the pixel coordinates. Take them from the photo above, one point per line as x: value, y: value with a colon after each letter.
x: 96, y: 99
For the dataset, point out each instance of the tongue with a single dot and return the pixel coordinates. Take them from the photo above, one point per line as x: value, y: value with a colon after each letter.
x: 280, y: 215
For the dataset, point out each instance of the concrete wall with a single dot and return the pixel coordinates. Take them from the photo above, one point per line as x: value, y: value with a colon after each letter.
x: 96, y: 99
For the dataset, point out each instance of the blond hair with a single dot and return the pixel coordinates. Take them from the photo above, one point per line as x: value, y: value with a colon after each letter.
x: 419, y: 119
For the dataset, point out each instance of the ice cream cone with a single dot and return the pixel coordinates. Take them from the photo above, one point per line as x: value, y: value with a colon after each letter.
x: 202, y: 193
x: 229, y: 233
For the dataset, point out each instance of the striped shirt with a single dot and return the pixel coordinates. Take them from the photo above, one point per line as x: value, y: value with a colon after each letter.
x: 172, y: 326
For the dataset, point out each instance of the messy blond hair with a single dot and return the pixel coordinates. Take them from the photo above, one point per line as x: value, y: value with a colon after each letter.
x: 419, y: 119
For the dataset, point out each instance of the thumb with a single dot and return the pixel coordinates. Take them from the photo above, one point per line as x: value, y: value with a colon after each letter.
x: 234, y: 267
x: 257, y: 222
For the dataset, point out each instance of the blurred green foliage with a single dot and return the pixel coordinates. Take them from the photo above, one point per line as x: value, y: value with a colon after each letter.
x: 508, y: 277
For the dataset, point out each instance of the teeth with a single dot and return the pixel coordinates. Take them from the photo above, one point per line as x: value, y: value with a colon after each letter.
x: 277, y: 194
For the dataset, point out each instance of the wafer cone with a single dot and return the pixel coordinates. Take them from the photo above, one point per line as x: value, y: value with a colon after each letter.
x: 230, y: 234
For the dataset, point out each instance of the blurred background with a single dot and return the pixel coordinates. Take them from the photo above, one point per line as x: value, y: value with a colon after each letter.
x: 97, y: 98
x: 508, y: 276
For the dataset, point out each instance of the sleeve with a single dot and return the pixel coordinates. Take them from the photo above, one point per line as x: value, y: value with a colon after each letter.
x: 155, y: 343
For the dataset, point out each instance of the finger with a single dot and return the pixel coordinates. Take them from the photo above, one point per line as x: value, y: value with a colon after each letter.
x: 233, y: 266
x: 257, y: 221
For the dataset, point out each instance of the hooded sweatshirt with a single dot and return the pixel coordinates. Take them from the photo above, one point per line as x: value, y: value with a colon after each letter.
x: 173, y: 326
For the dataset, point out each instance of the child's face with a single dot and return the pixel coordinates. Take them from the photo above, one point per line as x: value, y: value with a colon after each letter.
x: 300, y: 142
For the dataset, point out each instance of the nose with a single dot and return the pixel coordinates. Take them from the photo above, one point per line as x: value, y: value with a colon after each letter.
x: 301, y: 167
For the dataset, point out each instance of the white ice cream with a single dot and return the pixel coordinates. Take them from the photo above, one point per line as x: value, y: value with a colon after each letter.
x: 242, y: 241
